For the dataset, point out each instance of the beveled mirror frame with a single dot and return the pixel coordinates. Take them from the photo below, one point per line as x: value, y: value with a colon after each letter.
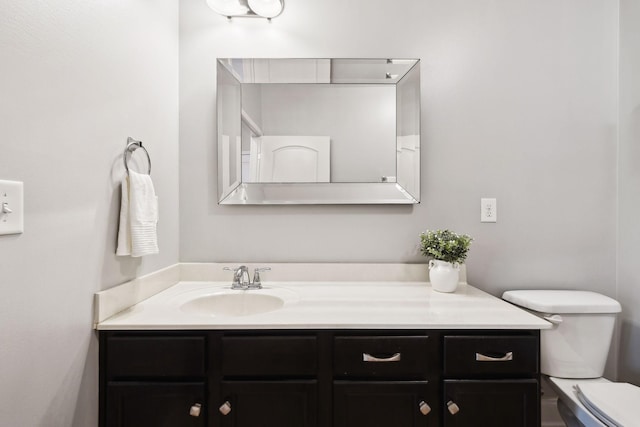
x: 406, y: 186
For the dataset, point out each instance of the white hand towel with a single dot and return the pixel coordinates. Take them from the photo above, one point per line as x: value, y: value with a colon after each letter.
x: 137, y: 235
x: 124, y: 228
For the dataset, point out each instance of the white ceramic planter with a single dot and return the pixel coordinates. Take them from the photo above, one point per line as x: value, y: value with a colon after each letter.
x: 444, y: 276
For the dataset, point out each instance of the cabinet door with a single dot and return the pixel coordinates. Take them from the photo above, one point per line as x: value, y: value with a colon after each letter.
x: 495, y: 403
x: 384, y: 404
x: 270, y: 403
x: 155, y: 405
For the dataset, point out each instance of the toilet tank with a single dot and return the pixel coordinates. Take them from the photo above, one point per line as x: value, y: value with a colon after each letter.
x: 578, y: 343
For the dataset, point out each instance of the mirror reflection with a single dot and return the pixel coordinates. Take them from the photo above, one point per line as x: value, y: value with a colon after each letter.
x: 300, y: 123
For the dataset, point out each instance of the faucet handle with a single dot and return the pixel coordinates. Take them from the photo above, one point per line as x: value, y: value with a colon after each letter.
x: 256, y: 275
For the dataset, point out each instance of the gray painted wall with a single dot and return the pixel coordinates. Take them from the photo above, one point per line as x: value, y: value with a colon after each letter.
x: 518, y: 102
x: 629, y: 191
x: 77, y: 78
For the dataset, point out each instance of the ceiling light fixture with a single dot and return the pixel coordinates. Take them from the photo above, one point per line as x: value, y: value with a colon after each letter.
x: 247, y: 8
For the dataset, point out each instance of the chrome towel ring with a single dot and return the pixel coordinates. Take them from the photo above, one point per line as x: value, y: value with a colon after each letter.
x: 133, y: 145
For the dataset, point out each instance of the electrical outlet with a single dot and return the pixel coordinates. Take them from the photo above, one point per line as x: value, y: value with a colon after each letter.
x: 11, y: 209
x: 488, y: 210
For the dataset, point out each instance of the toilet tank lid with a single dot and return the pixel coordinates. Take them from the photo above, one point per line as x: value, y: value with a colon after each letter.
x: 558, y: 301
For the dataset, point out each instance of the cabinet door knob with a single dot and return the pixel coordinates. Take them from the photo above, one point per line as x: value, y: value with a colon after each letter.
x: 424, y: 407
x: 194, y: 411
x: 225, y: 408
x: 452, y: 407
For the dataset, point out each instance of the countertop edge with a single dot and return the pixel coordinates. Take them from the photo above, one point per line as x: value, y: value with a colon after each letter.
x: 353, y: 327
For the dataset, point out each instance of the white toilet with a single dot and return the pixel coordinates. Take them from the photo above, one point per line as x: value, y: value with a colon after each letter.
x: 573, y: 354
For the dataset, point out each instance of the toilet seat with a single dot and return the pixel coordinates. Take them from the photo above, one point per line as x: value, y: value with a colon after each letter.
x: 599, y: 402
x: 615, y: 404
x: 567, y: 395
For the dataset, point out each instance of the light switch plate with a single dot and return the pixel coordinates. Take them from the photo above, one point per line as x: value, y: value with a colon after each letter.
x: 11, y: 207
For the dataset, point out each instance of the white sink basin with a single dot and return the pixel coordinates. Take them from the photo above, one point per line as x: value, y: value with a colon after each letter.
x: 234, y: 303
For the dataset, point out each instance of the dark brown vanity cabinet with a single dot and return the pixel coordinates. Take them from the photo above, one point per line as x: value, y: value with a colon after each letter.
x: 319, y: 378
x: 385, y: 380
x: 491, y: 403
x: 382, y: 404
x: 268, y: 380
x: 154, y: 380
x: 491, y: 380
x: 135, y: 404
x: 268, y: 403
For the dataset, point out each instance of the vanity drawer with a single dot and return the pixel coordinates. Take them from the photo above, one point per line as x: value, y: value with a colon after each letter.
x: 383, y: 356
x: 490, y: 355
x: 155, y: 356
x: 269, y: 356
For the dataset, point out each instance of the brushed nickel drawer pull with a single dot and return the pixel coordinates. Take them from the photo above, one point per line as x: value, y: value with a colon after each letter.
x: 484, y: 358
x: 369, y: 358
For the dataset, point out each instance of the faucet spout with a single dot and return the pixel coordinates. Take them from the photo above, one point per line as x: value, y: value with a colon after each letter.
x: 240, y: 277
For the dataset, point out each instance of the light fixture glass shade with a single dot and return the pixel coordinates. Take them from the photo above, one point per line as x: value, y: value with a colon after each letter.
x: 266, y: 8
x: 228, y: 7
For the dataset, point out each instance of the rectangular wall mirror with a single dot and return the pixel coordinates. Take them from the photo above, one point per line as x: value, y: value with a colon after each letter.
x: 318, y: 131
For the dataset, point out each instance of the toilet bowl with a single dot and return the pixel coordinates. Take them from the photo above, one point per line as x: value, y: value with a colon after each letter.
x: 573, y: 354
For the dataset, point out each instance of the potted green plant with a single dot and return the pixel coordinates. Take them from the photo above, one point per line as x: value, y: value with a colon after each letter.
x: 447, y: 251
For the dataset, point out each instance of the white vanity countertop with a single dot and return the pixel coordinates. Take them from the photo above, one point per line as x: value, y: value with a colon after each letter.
x: 331, y: 305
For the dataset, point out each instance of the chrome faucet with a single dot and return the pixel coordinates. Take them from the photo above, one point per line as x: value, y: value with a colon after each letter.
x: 241, y: 277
